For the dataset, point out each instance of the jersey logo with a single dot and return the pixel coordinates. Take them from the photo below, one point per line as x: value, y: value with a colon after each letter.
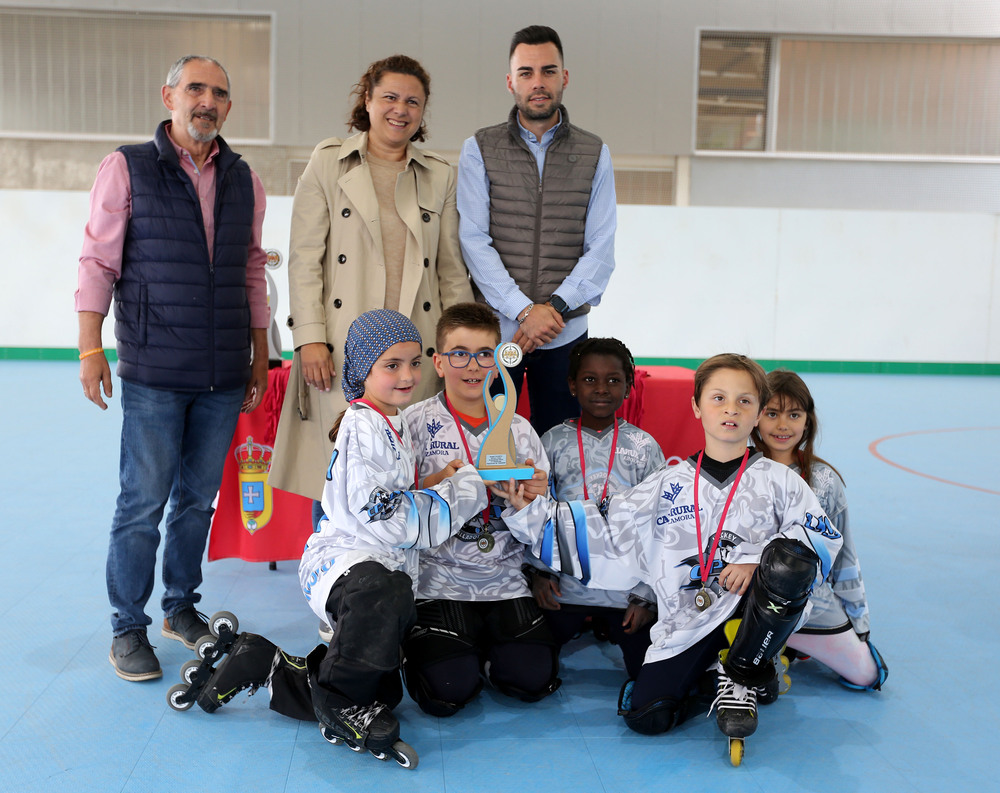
x: 381, y: 504
x: 434, y: 427
x: 639, y: 440
x: 716, y: 566
x: 675, y: 490
x: 821, y: 525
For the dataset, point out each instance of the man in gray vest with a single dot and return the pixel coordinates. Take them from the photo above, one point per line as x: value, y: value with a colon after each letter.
x: 536, y: 196
x: 173, y: 237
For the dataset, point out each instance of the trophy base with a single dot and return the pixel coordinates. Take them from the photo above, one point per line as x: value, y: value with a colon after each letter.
x: 503, y: 474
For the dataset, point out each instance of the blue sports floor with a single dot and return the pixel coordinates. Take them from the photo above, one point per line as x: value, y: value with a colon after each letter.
x: 926, y: 525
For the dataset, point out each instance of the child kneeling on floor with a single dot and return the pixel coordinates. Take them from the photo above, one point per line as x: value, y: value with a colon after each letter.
x: 726, y: 533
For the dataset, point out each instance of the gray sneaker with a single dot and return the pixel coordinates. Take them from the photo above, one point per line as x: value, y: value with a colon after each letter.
x: 133, y: 658
x: 187, y: 626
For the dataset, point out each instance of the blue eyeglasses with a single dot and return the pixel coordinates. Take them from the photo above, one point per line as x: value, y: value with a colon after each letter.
x: 459, y: 359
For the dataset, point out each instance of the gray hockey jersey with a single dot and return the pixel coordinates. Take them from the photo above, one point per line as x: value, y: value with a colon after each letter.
x: 483, y: 560
x: 841, y: 597
x: 648, y: 533
x: 373, y: 512
x: 636, y: 455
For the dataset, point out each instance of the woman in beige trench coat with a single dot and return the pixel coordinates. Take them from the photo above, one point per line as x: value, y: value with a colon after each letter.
x: 338, y: 260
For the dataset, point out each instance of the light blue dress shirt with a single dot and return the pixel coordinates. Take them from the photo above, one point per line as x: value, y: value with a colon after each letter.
x: 589, y: 278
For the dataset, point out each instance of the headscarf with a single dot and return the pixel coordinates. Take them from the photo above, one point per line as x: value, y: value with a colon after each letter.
x: 369, y: 336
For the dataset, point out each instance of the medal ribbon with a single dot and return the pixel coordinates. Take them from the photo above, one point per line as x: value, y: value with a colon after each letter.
x: 705, y: 571
x: 468, y: 452
x: 416, y: 470
x: 583, y: 461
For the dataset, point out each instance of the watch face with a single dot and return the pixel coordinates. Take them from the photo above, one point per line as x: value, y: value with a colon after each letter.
x: 559, y: 304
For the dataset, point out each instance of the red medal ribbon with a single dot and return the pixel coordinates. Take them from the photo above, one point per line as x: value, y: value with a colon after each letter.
x: 583, y: 461
x: 705, y: 571
x: 416, y: 470
x: 461, y: 434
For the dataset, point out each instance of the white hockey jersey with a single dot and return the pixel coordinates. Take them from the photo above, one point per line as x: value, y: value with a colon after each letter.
x: 483, y: 560
x: 636, y: 455
x: 648, y: 533
x: 842, y: 596
x: 372, y: 510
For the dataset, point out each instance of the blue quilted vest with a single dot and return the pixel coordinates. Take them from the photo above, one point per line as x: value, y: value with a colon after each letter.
x: 181, y: 321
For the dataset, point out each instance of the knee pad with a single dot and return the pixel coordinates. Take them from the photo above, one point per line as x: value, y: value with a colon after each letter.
x: 777, y: 596
x: 444, y: 629
x: 518, y: 620
x: 514, y: 623
x: 656, y: 718
x: 524, y: 670
x: 444, y: 632
x: 880, y: 665
x: 430, y: 700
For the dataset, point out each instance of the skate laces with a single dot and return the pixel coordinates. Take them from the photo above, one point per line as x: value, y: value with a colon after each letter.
x: 361, y: 716
x: 733, y: 696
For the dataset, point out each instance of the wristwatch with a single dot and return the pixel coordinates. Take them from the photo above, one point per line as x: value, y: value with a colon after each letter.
x: 559, y: 305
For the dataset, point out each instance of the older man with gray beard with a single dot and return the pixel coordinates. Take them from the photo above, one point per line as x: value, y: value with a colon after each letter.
x: 173, y: 237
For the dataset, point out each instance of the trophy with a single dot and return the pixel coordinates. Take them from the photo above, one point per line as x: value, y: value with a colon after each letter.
x: 496, y: 461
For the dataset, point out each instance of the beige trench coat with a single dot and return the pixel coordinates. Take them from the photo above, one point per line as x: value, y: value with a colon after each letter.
x: 336, y: 271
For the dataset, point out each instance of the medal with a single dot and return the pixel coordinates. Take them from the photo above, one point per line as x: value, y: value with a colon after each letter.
x: 704, y: 599
x: 486, y: 542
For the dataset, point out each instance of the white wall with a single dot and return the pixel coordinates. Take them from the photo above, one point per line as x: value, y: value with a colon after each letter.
x: 805, y: 284
x: 690, y: 282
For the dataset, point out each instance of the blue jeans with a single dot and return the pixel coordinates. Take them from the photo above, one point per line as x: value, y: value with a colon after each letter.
x: 174, y: 446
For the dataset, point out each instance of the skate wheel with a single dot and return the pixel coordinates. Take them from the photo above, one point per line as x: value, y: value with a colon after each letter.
x: 378, y: 755
x: 735, y: 751
x: 189, y: 670
x: 330, y: 736
x: 354, y: 747
x: 784, y: 683
x: 221, y: 618
x: 404, y: 754
x: 174, y: 697
x: 204, y: 646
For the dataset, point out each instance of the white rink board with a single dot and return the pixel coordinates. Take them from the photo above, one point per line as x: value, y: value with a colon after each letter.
x: 690, y: 281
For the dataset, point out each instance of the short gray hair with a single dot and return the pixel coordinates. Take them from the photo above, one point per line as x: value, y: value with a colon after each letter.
x: 174, y: 75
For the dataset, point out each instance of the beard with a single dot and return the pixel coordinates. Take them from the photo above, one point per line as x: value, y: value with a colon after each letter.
x: 198, y: 135
x: 525, y: 108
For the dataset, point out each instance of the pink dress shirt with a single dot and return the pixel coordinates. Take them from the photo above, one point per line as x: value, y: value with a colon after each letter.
x: 110, y: 210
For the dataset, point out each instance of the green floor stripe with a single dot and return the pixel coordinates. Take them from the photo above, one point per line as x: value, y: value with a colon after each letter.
x: 841, y: 367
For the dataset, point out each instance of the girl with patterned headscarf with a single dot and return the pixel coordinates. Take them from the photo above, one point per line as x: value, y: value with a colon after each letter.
x: 357, y: 569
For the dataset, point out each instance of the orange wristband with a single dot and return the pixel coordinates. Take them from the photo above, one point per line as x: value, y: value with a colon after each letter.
x: 88, y: 353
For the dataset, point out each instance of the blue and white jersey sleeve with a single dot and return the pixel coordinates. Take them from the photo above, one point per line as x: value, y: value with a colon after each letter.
x: 843, y: 592
x: 371, y: 509
x: 379, y: 472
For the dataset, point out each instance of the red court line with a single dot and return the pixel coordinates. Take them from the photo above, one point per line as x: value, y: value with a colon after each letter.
x: 873, y: 448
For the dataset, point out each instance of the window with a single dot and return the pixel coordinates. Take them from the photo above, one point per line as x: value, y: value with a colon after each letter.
x: 864, y: 97
x: 732, y: 92
x: 79, y: 74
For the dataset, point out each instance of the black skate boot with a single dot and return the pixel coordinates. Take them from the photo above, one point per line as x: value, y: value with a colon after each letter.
x: 737, y: 707
x: 371, y: 728
x: 737, y: 713
x: 767, y: 693
x: 247, y: 665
